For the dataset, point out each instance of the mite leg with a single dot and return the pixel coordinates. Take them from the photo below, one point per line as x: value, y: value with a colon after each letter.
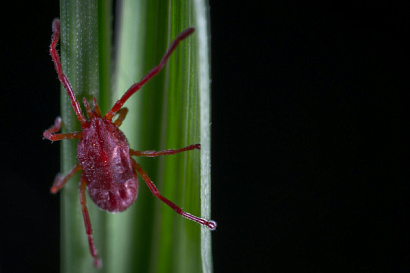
x: 63, y: 78
x: 135, y: 87
x: 60, y: 179
x: 209, y: 223
x: 166, y: 152
x: 87, y: 223
x: 49, y: 133
x: 122, y: 114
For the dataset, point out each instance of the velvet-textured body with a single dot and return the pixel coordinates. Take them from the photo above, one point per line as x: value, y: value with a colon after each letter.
x: 104, y: 155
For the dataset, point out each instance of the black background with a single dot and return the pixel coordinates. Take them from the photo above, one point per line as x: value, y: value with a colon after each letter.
x: 310, y: 144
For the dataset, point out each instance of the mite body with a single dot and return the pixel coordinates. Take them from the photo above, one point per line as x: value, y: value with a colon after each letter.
x: 104, y: 156
x: 108, y: 172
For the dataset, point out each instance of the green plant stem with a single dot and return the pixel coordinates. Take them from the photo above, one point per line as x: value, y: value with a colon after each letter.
x: 85, y: 61
x: 167, y: 113
x: 170, y: 111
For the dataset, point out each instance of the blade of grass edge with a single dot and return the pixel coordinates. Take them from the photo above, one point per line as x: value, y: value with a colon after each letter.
x: 203, y: 26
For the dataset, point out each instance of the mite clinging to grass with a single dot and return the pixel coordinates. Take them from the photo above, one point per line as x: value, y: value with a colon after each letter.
x: 108, y: 172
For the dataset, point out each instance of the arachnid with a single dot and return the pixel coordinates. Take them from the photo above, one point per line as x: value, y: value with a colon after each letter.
x: 108, y: 172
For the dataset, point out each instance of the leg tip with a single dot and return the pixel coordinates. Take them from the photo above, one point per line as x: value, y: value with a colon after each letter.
x: 97, y: 262
x: 57, y: 122
x: 56, y: 185
x: 56, y: 24
x: 46, y: 135
x: 211, y: 225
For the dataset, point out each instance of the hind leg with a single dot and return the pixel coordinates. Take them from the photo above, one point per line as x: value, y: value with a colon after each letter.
x: 87, y: 223
x: 209, y: 223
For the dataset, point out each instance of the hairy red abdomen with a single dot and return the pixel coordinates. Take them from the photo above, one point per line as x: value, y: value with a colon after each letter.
x: 103, y: 153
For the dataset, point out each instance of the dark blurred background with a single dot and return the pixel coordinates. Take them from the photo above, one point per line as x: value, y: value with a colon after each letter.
x: 309, y: 137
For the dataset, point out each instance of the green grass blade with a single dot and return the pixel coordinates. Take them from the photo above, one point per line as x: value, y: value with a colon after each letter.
x: 85, y: 59
x: 125, y: 253
x: 171, y: 111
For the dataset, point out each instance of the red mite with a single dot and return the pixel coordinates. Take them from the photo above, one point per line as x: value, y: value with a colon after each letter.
x: 108, y: 172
